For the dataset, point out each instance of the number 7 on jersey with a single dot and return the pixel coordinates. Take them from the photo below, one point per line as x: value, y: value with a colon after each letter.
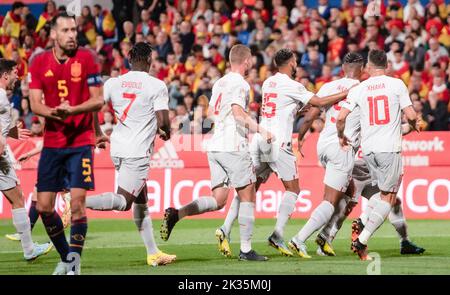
x: 131, y: 97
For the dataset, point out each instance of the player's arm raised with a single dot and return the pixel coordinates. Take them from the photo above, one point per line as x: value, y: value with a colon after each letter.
x: 327, y: 100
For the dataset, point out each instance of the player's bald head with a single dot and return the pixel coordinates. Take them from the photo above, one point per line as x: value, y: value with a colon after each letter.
x: 239, y: 54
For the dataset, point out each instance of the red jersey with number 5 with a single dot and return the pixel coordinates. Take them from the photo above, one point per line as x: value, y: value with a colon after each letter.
x: 68, y: 81
x: 381, y: 100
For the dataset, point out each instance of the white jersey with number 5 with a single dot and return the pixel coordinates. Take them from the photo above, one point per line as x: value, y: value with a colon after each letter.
x: 381, y: 100
x: 352, y: 126
x: 228, y: 135
x: 135, y: 97
x: 282, y: 98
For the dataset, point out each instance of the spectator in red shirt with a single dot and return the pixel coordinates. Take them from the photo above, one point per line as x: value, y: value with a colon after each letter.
x: 239, y: 11
x: 440, y: 89
x: 145, y: 26
x: 335, y: 47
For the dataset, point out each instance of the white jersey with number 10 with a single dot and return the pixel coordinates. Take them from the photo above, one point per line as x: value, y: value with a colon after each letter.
x: 381, y: 100
x: 282, y: 98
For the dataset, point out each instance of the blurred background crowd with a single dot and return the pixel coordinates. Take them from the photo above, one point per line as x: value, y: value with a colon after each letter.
x: 192, y: 39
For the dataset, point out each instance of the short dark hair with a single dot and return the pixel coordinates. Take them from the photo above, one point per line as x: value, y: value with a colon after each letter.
x: 140, y: 53
x: 353, y: 58
x: 98, y: 6
x: 283, y: 56
x: 17, y: 5
x: 60, y: 15
x: 6, y: 66
x: 378, y: 58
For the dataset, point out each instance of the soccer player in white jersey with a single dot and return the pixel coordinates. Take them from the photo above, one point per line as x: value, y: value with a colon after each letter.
x: 283, y: 97
x: 364, y: 188
x: 228, y: 154
x: 9, y: 183
x: 381, y: 100
x: 338, y: 163
x: 140, y: 102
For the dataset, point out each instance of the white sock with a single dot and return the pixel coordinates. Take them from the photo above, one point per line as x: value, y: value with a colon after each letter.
x: 231, y: 215
x: 199, y: 206
x: 376, y: 219
x: 397, y: 219
x: 106, y: 202
x: 145, y: 227
x: 330, y: 230
x: 246, y: 222
x: 285, y: 210
x: 320, y: 216
x: 370, y: 206
x: 23, y: 227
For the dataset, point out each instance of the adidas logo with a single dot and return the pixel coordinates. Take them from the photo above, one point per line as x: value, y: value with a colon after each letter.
x: 166, y: 157
x: 49, y: 73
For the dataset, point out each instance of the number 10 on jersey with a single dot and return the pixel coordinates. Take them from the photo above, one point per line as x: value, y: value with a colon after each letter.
x: 374, y: 114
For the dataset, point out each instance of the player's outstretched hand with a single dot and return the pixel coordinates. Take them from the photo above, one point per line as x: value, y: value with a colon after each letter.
x: 22, y: 133
x: 163, y: 135
x: 343, y: 141
x: 100, y: 141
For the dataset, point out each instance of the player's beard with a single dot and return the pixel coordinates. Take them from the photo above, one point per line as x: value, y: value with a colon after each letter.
x: 11, y: 85
x: 70, y: 51
x: 293, y: 72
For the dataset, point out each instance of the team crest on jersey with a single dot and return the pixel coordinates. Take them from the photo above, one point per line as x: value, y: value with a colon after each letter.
x: 75, y: 71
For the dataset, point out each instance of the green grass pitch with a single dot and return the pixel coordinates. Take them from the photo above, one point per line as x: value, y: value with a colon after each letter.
x: 115, y: 247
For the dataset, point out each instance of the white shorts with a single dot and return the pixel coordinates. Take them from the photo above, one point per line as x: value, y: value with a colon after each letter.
x: 386, y: 170
x: 8, y: 177
x: 133, y: 173
x: 233, y: 169
x: 363, y: 181
x: 338, y: 165
x: 271, y: 158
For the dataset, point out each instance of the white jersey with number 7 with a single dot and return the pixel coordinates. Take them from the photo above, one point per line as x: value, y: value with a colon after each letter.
x: 135, y: 97
x: 282, y: 98
x: 228, y: 135
x: 381, y: 100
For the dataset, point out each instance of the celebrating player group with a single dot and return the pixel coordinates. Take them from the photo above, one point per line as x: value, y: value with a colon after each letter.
x: 360, y: 148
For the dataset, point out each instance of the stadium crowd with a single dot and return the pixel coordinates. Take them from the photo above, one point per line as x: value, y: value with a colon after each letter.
x: 192, y: 39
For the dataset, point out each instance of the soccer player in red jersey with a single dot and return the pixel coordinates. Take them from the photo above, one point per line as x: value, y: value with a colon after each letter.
x: 68, y: 77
